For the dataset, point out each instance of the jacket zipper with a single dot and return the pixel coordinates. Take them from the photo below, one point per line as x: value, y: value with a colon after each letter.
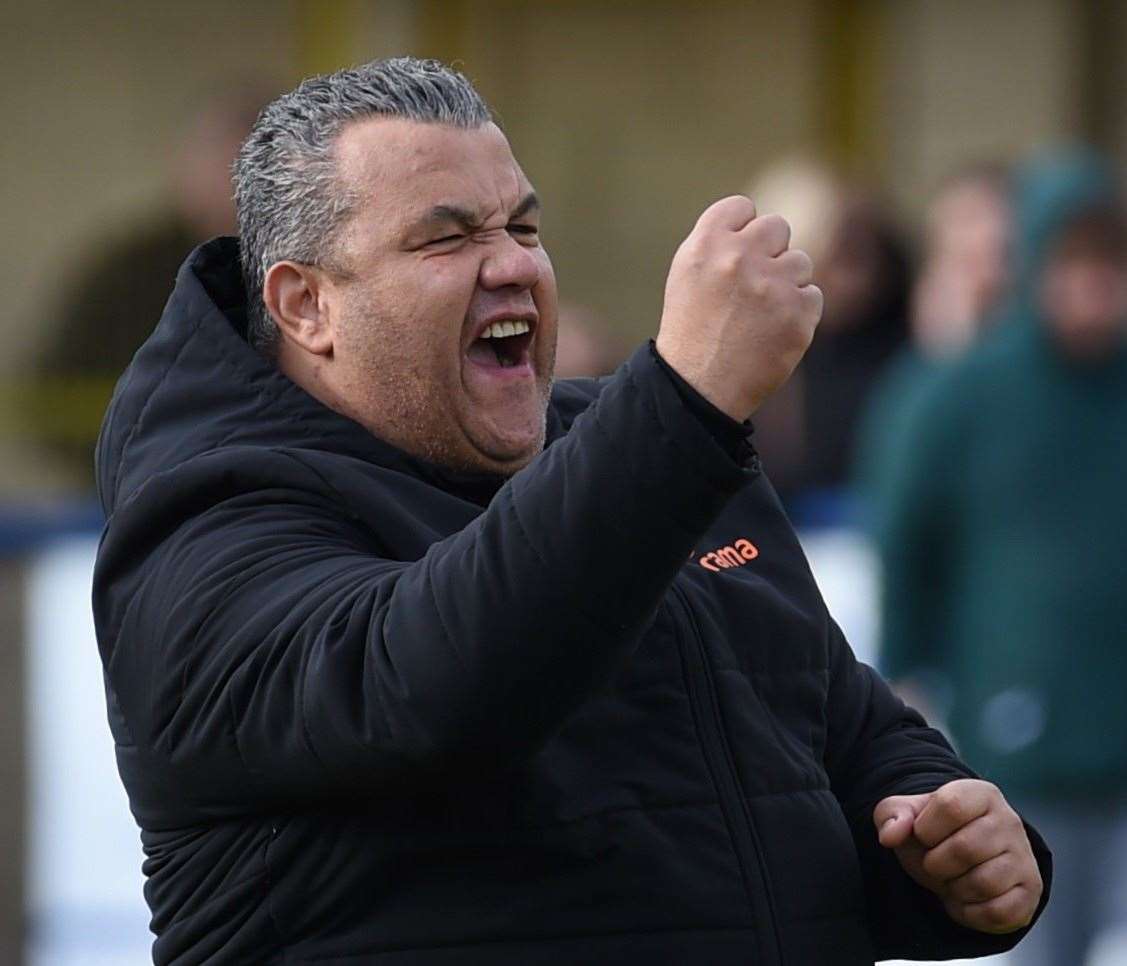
x: 718, y: 755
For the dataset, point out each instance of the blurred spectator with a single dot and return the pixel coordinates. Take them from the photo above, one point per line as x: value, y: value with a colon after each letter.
x: 585, y: 345
x: 117, y: 294
x: 806, y: 432
x: 963, y: 277
x: 965, y: 271
x: 1003, y: 547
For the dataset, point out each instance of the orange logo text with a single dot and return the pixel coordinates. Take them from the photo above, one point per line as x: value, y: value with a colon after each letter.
x: 735, y: 555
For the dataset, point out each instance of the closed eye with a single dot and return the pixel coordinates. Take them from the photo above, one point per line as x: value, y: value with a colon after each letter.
x: 526, y: 233
x: 445, y: 238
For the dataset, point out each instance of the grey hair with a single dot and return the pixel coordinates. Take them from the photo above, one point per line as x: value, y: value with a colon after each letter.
x: 289, y: 200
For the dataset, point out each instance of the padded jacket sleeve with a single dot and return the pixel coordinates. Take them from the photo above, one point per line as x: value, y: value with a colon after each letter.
x: 256, y: 650
x: 878, y: 746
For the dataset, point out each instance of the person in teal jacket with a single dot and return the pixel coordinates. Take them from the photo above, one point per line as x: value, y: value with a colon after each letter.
x: 1002, y: 528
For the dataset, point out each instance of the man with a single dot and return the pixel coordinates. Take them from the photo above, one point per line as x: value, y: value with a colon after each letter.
x: 963, y: 278
x: 967, y: 257
x: 410, y: 661
x: 1003, y: 528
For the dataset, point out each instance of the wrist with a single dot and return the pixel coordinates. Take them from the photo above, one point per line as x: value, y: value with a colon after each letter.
x: 727, y: 395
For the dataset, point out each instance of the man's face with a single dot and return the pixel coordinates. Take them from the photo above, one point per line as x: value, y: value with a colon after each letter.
x: 970, y: 238
x: 444, y: 311
x: 1084, y: 291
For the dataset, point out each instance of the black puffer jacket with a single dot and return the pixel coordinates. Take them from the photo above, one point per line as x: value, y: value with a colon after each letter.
x: 368, y: 710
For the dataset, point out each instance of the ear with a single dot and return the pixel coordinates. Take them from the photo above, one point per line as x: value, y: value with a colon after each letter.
x: 293, y: 296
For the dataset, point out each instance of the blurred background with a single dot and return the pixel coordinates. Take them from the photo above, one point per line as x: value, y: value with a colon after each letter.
x: 959, y: 425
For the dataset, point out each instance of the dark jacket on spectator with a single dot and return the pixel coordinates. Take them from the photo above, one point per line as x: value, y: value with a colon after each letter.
x: 371, y: 710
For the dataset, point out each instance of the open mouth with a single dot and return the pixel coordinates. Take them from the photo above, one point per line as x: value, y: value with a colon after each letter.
x: 504, y: 344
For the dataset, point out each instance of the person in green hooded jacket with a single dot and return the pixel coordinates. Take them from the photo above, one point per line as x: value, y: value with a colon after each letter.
x: 1002, y: 528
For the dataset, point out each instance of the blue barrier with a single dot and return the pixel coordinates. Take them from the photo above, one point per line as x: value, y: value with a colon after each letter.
x: 27, y: 527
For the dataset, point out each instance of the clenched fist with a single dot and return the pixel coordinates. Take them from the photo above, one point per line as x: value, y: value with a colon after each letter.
x: 740, y: 309
x: 965, y: 844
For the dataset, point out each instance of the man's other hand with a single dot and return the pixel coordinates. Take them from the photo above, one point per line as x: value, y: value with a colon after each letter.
x: 740, y: 306
x: 965, y: 844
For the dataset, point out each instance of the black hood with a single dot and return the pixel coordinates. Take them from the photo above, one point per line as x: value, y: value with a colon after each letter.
x: 196, y: 385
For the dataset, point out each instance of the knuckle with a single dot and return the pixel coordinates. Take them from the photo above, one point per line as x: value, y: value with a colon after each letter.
x: 732, y: 204
x: 769, y: 226
x: 991, y: 827
x: 982, y: 886
x: 761, y: 288
x: 730, y: 265
x: 964, y: 851
x: 1000, y: 912
x: 1014, y: 910
x: 691, y: 253
x: 992, y: 794
x: 946, y: 794
x: 966, y: 892
x: 950, y: 800
x: 976, y: 890
x: 934, y: 864
x: 739, y: 202
x: 1007, y: 867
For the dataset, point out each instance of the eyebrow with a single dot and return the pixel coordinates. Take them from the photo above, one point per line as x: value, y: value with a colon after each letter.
x: 529, y: 203
x: 469, y: 220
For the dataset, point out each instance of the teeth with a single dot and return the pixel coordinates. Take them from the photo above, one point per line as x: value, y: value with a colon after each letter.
x: 503, y: 330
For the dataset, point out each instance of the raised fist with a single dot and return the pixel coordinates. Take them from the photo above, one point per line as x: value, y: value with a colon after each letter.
x: 740, y: 309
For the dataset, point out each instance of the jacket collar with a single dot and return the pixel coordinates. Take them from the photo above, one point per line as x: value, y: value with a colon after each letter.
x: 196, y: 385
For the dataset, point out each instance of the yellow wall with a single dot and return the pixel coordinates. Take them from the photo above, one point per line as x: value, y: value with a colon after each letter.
x: 629, y: 116
x: 92, y: 97
x: 976, y: 79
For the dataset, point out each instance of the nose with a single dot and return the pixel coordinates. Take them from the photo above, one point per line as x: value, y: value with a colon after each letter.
x: 509, y: 263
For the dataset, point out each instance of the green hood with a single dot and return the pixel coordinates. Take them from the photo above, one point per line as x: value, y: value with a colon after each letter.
x: 1053, y: 191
